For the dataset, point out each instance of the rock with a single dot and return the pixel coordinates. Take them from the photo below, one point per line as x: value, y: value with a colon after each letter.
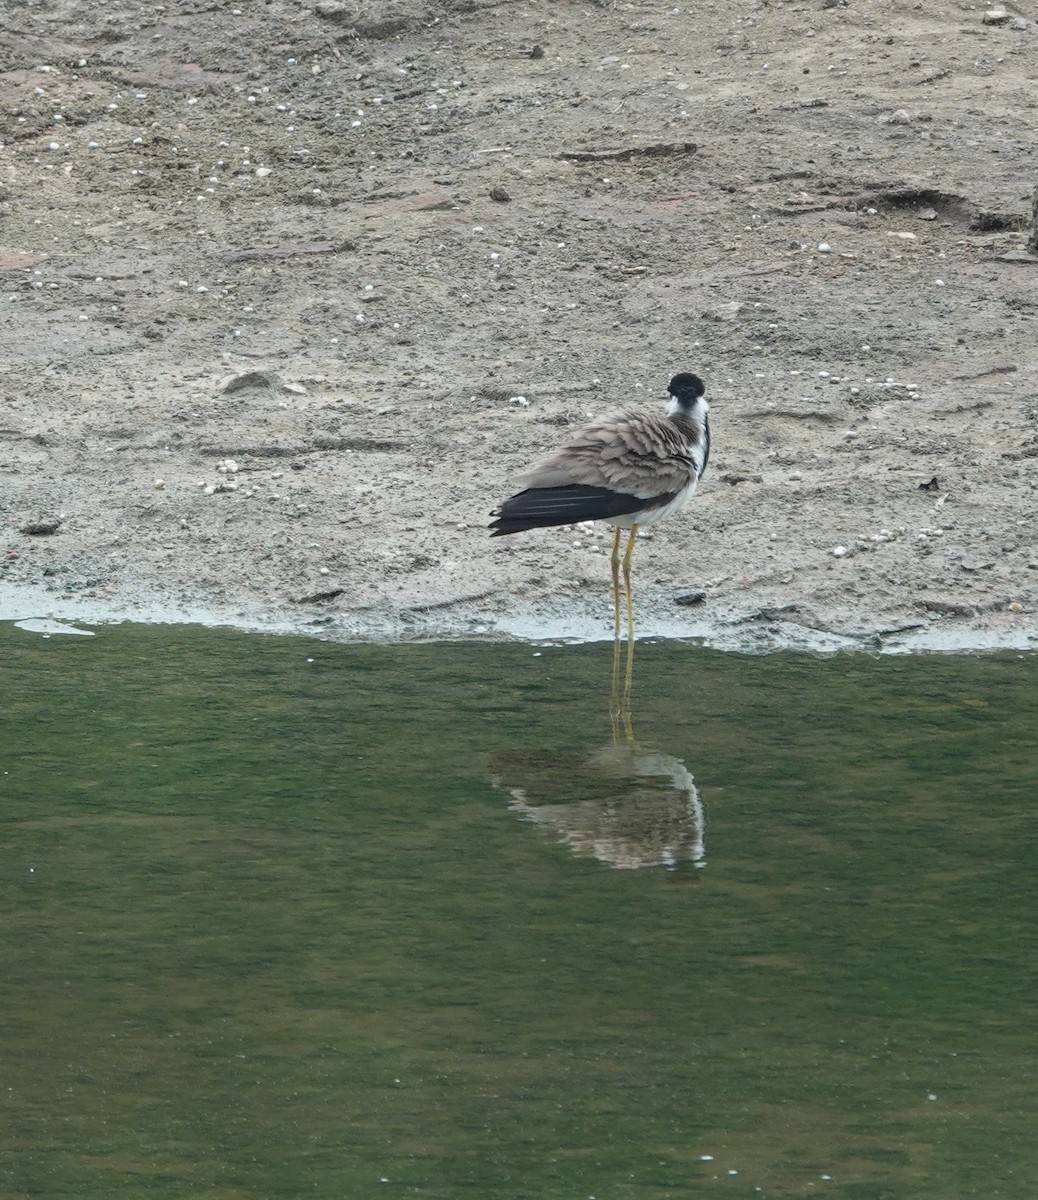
x: 500, y: 195
x: 265, y: 380
x: 333, y: 10
x: 724, y: 312
x: 995, y: 16
x: 40, y: 528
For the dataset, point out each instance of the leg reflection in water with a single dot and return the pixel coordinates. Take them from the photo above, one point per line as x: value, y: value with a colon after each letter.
x: 625, y: 804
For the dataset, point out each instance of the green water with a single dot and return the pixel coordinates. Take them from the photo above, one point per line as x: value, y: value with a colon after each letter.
x: 272, y: 925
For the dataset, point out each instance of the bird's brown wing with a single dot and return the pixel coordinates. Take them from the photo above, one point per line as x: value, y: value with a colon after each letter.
x: 638, y: 454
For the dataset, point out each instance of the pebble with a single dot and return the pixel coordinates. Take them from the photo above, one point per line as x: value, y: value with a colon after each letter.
x: 1016, y: 607
x: 838, y: 551
x: 900, y: 116
x: 690, y: 599
x: 995, y: 16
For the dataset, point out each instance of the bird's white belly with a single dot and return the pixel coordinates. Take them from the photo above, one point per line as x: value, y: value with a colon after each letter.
x: 652, y: 515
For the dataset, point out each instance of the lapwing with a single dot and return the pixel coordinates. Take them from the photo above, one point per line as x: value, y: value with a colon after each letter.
x: 629, y: 469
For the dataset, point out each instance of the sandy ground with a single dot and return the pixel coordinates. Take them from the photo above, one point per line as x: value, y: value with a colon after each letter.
x: 381, y: 257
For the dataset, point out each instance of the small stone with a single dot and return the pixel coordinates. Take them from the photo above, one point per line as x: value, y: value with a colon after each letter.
x: 40, y: 528
x: 500, y: 195
x: 689, y: 599
x: 728, y: 311
x: 824, y: 247
x: 159, y: 484
x: 926, y: 214
x: 839, y: 551
x: 995, y: 16
x: 900, y: 116
x: 1016, y: 607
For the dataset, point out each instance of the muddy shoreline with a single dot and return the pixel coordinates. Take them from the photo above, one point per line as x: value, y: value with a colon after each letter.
x: 292, y: 293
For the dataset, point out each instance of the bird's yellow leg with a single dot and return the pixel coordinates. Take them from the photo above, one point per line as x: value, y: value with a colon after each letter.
x: 615, y: 560
x: 628, y: 556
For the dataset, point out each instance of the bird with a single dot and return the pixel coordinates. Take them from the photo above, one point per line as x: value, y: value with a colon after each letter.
x: 629, y: 469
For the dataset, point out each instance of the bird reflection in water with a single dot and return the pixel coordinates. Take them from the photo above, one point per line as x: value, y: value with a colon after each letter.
x: 625, y: 804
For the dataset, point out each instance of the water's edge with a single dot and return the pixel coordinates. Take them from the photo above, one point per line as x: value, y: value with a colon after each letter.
x: 577, y: 621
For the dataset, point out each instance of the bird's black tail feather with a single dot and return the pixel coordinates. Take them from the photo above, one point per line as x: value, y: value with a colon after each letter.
x: 540, y: 508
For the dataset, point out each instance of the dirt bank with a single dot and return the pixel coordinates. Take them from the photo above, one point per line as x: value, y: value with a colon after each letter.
x: 274, y: 280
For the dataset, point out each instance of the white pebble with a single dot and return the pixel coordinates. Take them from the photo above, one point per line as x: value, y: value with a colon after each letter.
x: 838, y: 551
x: 824, y: 247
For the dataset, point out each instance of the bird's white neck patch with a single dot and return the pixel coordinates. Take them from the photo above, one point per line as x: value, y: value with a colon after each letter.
x: 696, y: 413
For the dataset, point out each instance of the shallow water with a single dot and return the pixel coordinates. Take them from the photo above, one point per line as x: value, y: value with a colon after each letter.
x: 285, y: 918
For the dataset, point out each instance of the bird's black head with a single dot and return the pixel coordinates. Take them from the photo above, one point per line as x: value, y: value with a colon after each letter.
x: 685, y: 388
